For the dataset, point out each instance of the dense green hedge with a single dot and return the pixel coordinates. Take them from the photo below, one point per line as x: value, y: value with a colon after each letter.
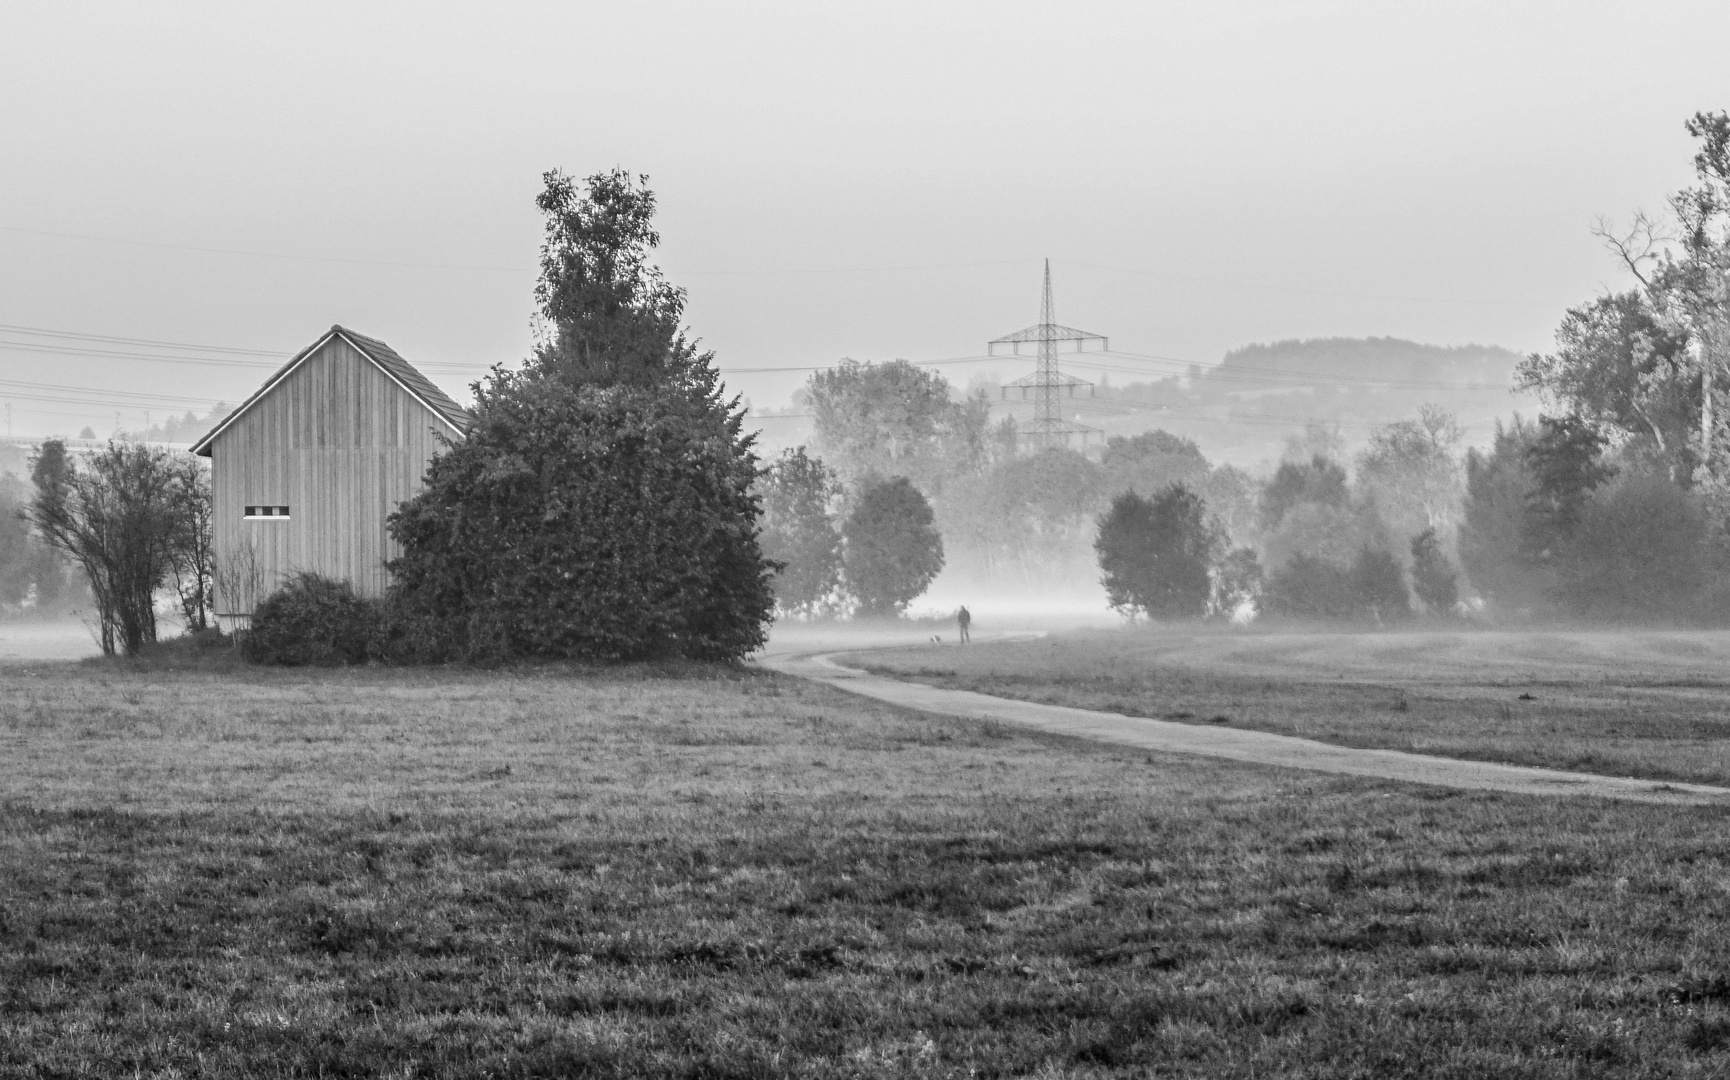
x: 583, y: 522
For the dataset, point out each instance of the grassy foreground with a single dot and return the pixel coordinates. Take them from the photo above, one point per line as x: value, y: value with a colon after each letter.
x: 723, y: 874
x: 1651, y: 704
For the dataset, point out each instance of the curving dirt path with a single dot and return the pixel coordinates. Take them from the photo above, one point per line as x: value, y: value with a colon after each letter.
x: 1257, y: 747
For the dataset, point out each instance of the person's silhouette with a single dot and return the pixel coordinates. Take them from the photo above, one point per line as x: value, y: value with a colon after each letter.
x: 962, y: 619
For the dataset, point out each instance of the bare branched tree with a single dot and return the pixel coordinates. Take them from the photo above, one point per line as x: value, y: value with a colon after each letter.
x: 1640, y: 247
x: 238, y: 579
x: 114, y: 515
x: 191, y: 557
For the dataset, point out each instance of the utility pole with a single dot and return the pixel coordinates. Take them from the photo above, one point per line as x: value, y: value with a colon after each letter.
x: 1048, y: 384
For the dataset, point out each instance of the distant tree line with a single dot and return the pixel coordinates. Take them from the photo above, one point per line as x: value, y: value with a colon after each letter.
x: 1617, y: 504
x: 1614, y: 505
x: 1169, y: 533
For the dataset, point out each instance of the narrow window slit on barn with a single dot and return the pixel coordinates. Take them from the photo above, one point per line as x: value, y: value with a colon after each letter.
x: 272, y: 512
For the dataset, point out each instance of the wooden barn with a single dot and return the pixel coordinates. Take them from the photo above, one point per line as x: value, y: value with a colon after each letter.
x: 305, y: 472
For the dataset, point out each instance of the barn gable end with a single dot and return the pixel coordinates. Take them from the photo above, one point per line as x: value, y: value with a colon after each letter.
x: 305, y: 473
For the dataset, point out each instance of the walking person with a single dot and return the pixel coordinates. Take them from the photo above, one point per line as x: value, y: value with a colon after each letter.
x: 962, y: 619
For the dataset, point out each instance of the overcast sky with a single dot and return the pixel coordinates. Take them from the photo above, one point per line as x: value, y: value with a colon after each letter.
x: 870, y: 180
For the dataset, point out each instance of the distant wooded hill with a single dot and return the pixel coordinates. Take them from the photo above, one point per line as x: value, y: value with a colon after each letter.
x: 1243, y: 410
x: 1381, y: 360
x: 183, y: 429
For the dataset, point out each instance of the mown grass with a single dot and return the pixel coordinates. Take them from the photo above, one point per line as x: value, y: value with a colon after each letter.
x: 710, y: 873
x: 1651, y: 704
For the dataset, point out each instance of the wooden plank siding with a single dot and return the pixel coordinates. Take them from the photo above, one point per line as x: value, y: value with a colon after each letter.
x: 338, y: 443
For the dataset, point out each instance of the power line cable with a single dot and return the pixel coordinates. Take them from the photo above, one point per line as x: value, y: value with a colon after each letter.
x: 41, y: 331
x: 775, y: 271
x: 297, y: 257
x: 266, y: 254
x: 50, y: 349
x: 107, y: 398
x: 1227, y: 283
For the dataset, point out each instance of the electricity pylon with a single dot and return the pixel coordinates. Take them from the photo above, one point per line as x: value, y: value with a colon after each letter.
x: 1049, y: 385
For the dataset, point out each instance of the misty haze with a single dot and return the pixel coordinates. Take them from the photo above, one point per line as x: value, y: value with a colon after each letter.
x: 868, y: 541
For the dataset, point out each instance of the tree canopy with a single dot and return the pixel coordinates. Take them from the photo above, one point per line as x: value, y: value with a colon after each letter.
x: 1619, y: 365
x: 893, y: 548
x: 1151, y: 461
x: 798, y: 493
x: 601, y: 505
x: 1410, y: 470
x: 1155, y: 554
x: 1320, y: 480
x: 895, y: 419
x: 616, y: 316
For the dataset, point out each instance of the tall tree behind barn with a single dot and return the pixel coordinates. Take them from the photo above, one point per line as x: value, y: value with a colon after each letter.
x: 305, y: 472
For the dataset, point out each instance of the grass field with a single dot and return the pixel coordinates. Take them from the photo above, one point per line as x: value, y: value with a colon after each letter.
x: 718, y: 873
x: 1652, y: 704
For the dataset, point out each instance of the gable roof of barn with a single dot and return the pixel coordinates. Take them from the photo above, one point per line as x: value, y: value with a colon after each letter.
x: 385, y: 358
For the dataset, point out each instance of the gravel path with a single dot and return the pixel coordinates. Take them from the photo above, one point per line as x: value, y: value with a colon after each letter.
x: 1257, y: 747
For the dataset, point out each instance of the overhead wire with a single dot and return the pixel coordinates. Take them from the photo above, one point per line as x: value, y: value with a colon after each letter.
x: 773, y: 271
x: 40, y: 331
x: 1300, y: 289
x: 291, y: 257
x: 66, y: 343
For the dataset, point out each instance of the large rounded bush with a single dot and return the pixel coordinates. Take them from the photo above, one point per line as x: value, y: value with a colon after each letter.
x: 312, y: 620
x: 583, y: 522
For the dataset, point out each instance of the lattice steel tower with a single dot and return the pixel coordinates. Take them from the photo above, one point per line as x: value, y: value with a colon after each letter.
x: 1049, y: 385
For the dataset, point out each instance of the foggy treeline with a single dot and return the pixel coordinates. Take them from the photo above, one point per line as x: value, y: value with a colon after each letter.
x: 1021, y: 523
x: 1243, y: 406
x: 1613, y: 503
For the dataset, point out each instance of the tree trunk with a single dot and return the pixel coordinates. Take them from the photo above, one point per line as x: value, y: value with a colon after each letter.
x: 1706, y: 419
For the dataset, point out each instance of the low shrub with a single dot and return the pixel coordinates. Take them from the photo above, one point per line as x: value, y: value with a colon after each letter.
x: 196, y: 650
x: 314, y: 620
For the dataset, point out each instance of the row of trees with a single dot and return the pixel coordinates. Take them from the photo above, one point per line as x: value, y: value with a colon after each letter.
x: 1614, y: 506
x: 1329, y: 550
x: 871, y: 554
x: 1033, y: 522
x: 1618, y: 504
x: 1551, y: 519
